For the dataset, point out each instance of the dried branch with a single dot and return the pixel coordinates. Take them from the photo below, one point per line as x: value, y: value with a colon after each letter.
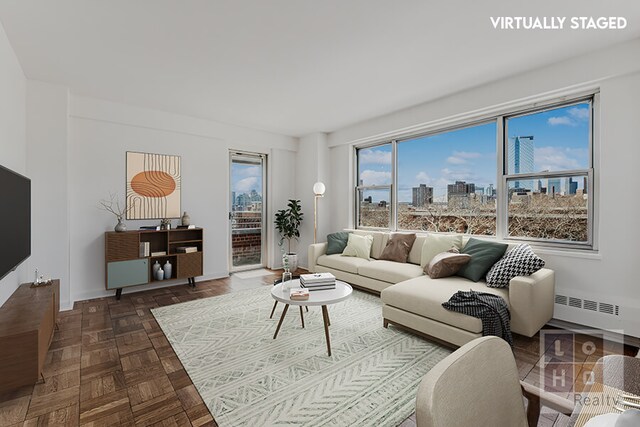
x: 113, y: 206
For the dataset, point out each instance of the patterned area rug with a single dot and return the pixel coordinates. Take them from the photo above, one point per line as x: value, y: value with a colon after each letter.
x: 252, y: 274
x: 247, y: 378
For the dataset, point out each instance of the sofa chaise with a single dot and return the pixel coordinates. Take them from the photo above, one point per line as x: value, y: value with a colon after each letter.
x: 412, y: 299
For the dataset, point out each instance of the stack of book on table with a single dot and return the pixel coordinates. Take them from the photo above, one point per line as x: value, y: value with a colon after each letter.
x: 318, y: 281
x: 299, y: 294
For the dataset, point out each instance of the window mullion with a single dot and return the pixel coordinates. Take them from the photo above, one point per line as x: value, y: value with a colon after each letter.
x: 501, y: 183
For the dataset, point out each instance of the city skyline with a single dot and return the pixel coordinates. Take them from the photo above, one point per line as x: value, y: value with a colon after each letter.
x: 561, y: 140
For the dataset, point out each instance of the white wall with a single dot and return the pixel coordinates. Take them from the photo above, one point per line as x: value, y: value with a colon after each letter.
x: 13, y: 152
x: 77, y: 149
x: 312, y: 166
x: 608, y: 275
x: 47, y: 166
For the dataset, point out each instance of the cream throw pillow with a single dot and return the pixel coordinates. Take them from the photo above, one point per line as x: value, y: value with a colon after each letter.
x: 438, y: 243
x: 358, y: 246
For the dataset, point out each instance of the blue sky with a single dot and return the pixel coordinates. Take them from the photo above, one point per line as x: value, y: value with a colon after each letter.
x: 469, y: 154
x: 246, y: 177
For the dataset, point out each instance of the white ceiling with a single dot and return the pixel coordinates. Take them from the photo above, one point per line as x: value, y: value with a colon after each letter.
x: 290, y: 66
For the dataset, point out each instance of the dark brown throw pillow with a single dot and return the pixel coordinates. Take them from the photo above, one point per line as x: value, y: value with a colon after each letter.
x: 398, y: 247
x: 446, y: 264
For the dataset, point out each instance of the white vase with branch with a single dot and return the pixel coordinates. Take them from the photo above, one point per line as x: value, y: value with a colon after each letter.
x: 113, y: 206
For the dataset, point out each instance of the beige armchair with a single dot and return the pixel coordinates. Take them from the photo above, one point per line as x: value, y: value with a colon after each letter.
x: 478, y: 385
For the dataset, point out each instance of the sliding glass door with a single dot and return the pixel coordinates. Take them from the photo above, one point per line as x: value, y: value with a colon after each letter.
x: 247, y: 210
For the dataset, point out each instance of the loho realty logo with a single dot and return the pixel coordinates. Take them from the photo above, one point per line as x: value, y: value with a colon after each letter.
x: 571, y: 365
x: 558, y: 22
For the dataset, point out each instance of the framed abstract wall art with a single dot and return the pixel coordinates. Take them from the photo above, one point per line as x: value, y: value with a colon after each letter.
x: 153, y: 186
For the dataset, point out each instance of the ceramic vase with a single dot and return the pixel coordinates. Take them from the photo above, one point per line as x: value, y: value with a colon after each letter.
x: 160, y: 274
x: 186, y: 219
x: 167, y: 270
x: 155, y: 268
x: 120, y: 226
x: 293, y: 261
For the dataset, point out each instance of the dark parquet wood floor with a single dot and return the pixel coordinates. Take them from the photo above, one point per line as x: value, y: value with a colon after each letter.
x: 110, y: 364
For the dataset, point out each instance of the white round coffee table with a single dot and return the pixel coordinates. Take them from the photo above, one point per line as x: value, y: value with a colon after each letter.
x: 322, y: 298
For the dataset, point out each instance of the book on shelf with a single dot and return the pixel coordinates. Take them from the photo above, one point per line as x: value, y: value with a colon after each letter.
x: 186, y: 227
x: 150, y: 227
x: 299, y: 294
x: 159, y: 253
x: 144, y: 249
x: 186, y: 249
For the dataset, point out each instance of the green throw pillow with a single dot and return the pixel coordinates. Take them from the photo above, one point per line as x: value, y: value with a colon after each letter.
x: 483, y: 255
x: 336, y: 242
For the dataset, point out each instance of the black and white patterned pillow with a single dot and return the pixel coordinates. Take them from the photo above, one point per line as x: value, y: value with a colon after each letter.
x: 519, y: 261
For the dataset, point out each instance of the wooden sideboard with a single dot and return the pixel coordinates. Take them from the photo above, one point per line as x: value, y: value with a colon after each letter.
x: 124, y: 265
x: 27, y: 322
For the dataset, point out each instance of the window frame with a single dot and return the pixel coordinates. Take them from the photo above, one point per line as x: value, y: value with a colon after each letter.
x: 506, y: 177
x: 502, y: 177
x: 361, y: 188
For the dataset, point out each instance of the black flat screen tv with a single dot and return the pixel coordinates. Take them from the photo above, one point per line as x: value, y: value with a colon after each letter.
x: 15, y: 220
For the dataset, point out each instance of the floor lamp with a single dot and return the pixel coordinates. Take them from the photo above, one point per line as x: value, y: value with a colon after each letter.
x: 318, y: 190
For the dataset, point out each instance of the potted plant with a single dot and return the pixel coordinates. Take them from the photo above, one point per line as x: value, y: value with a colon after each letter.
x: 288, y: 225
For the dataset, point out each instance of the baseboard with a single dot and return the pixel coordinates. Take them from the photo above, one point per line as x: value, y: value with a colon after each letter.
x: 614, y: 336
x: 102, y: 293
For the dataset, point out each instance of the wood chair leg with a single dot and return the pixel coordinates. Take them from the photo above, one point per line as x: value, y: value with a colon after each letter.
x: 275, y: 303
x: 302, y: 317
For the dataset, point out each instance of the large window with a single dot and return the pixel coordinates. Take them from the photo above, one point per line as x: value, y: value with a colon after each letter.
x: 447, y: 181
x: 373, y: 197
x: 527, y: 175
x: 548, y: 173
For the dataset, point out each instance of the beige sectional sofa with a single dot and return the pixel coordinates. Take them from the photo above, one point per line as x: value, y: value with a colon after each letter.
x: 414, y: 300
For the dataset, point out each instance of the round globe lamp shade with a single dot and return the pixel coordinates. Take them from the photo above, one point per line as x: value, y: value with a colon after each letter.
x: 318, y: 188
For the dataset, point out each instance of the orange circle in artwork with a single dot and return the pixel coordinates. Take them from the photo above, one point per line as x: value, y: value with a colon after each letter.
x: 153, y: 184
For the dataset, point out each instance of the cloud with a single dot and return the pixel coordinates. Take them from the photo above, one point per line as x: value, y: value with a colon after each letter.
x: 560, y: 158
x: 581, y: 114
x: 451, y: 175
x: 467, y: 154
x: 462, y: 157
x: 373, y: 156
x: 247, y: 184
x: 370, y: 177
x: 456, y: 160
x: 562, y: 120
x: 423, y: 178
x: 574, y: 117
x: 250, y: 171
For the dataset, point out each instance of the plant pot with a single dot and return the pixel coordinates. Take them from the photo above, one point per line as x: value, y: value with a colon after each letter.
x: 293, y: 261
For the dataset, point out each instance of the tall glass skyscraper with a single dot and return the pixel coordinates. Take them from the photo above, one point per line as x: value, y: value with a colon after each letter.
x: 520, y: 150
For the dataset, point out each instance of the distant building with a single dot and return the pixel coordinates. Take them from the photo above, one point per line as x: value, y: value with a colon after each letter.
x: 521, y: 159
x: 458, y: 194
x: 368, y: 199
x: 382, y: 204
x: 554, y: 186
x: 461, y: 188
x: 422, y: 195
x: 573, y: 186
x: 584, y: 187
x: 490, y: 191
